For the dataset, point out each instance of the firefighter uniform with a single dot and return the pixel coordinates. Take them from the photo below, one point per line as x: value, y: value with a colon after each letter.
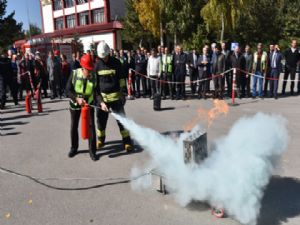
x: 79, y: 86
x: 111, y: 90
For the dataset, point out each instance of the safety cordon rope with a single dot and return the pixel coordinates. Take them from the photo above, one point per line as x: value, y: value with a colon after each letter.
x: 185, y: 82
x: 41, y: 181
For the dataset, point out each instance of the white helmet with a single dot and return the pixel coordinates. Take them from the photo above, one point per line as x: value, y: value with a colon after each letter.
x: 103, y: 49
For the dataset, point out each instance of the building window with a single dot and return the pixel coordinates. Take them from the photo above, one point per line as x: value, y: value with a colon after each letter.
x: 98, y: 16
x: 59, y: 23
x: 71, y: 21
x: 57, y: 4
x: 69, y: 3
x: 81, y: 1
x: 83, y: 18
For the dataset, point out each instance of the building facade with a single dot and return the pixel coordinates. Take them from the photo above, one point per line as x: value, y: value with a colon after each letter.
x: 91, y: 21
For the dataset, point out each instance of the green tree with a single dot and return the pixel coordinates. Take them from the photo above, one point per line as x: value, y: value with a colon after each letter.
x: 134, y: 34
x: 33, y: 30
x: 10, y: 30
x: 221, y: 15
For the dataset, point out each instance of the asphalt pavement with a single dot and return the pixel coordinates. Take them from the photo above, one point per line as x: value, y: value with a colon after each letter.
x: 37, y: 145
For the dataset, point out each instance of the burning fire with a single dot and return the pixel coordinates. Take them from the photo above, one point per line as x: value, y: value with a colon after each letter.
x: 220, y: 107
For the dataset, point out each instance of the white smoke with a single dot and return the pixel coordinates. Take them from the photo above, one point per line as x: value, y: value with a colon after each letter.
x: 234, y: 175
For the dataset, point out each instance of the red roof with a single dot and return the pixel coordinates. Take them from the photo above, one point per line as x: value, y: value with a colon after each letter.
x: 84, y: 30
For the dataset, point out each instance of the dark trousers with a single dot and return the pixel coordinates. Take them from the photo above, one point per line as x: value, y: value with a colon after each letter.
x: 248, y: 82
x: 219, y: 85
x: 287, y: 72
x: 274, y: 82
x: 228, y: 79
x: 167, y: 78
x: 180, y: 87
x: 141, y: 79
x: 155, y: 85
x: 75, y: 116
x: 267, y: 83
x: 102, y: 117
x: 193, y: 77
x: 56, y: 88
x: 203, y: 85
x: 240, y: 83
x: 133, y: 82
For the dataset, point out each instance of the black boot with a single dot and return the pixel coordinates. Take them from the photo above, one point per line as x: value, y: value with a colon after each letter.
x: 93, y: 155
x: 72, y: 152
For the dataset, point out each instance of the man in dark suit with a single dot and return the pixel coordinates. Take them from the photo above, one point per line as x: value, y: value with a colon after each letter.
x: 203, y: 64
x: 276, y: 69
x: 228, y: 76
x: 140, y: 68
x: 218, y: 67
x: 292, y: 57
x: 193, y: 68
x: 268, y: 72
x: 180, y: 61
x: 238, y: 61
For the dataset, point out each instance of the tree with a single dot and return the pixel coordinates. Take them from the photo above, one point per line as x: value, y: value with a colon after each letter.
x: 134, y: 33
x: 221, y: 14
x: 10, y: 30
x: 33, y: 30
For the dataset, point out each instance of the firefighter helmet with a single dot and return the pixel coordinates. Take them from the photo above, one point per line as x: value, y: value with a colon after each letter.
x: 103, y: 49
x: 87, y: 62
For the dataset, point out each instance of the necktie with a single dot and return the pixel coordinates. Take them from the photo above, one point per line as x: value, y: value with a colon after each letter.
x: 274, y: 60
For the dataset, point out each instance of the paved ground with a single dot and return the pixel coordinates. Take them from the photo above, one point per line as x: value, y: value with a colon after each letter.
x: 37, y: 145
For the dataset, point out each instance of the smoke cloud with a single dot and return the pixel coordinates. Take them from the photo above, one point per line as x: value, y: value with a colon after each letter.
x: 233, y: 176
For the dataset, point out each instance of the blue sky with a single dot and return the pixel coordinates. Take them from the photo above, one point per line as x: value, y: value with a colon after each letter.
x: 20, y: 7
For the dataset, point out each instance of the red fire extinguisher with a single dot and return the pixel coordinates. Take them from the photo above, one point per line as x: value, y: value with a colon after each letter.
x: 28, y: 103
x: 85, y: 122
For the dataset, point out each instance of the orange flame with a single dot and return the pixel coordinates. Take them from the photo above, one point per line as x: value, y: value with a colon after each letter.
x: 220, y: 107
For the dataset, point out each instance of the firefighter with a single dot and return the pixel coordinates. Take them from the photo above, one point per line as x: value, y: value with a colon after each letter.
x: 80, y: 90
x: 111, y: 92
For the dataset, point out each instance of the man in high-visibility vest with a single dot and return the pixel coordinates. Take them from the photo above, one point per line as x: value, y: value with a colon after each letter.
x: 111, y: 91
x: 80, y: 89
x: 167, y: 69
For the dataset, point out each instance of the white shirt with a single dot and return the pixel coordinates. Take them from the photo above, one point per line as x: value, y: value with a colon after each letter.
x: 154, y: 66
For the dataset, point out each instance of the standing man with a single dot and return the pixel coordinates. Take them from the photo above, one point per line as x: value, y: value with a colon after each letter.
x: 154, y: 72
x: 238, y: 61
x: 167, y: 73
x: 218, y: 67
x: 111, y: 91
x: 268, y: 72
x: 249, y: 63
x: 228, y: 76
x: 193, y: 68
x: 80, y: 90
x: 203, y: 70
x: 276, y: 69
x: 180, y: 61
x: 140, y: 68
x: 292, y: 57
x: 259, y: 69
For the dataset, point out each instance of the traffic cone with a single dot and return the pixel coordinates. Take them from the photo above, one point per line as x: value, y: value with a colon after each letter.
x: 85, y: 122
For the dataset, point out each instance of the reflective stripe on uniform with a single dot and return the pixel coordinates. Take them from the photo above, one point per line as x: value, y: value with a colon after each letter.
x: 122, y: 83
x: 100, y: 133
x: 107, y: 72
x: 115, y: 96
x: 125, y: 133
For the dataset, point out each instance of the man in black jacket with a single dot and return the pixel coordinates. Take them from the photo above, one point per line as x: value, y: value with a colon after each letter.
x: 193, y: 68
x: 292, y: 57
x: 180, y: 60
x: 140, y: 68
x: 238, y: 61
x: 218, y: 67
